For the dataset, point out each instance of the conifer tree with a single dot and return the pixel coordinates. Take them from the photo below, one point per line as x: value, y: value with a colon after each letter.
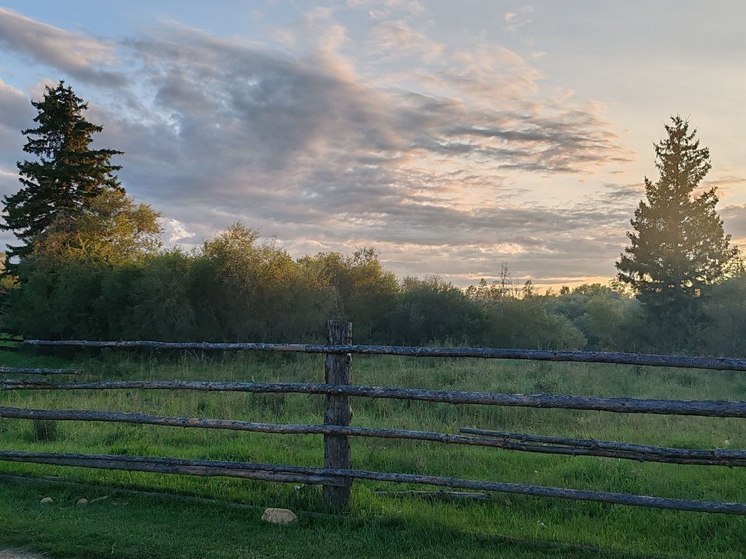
x: 678, y: 247
x: 66, y: 174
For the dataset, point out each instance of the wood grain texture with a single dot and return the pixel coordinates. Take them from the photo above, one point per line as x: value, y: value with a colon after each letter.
x: 338, y: 412
x: 703, y: 408
x: 618, y: 358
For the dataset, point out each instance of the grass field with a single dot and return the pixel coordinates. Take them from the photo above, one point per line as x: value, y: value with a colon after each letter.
x: 127, y: 524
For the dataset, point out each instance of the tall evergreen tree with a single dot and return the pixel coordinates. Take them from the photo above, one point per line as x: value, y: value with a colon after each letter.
x: 66, y: 175
x: 678, y: 247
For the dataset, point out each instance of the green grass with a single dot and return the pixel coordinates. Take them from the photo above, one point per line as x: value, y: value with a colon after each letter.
x: 375, y: 525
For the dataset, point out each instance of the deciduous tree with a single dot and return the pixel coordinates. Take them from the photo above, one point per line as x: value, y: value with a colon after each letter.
x: 112, y: 230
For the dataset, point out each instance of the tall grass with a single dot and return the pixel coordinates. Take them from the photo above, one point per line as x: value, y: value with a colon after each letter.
x: 607, y: 529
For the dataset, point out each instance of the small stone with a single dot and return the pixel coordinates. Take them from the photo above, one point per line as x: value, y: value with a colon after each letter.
x: 47, y: 501
x: 279, y: 516
x: 82, y: 502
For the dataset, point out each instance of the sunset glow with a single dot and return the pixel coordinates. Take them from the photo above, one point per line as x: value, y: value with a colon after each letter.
x: 452, y: 137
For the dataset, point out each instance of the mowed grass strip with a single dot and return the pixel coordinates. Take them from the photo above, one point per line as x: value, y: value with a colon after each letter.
x: 505, y: 526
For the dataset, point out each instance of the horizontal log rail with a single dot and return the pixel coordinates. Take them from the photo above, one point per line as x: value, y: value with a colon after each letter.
x: 37, y: 371
x: 618, y: 358
x: 516, y: 442
x: 615, y: 449
x: 525, y: 437
x: 563, y: 441
x: 264, y: 472
x: 703, y: 408
x: 326, y: 476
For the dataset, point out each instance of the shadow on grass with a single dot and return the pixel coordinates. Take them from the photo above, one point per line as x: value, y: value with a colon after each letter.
x: 129, y: 524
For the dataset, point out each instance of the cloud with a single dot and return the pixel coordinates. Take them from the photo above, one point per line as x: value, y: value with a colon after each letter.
x: 734, y: 221
x: 14, y: 107
x: 485, y: 75
x: 300, y: 146
x: 344, y: 163
x: 174, y: 231
x: 78, y: 55
x: 727, y: 186
x: 8, y: 181
x: 308, y: 130
x: 391, y: 40
x: 514, y: 20
x: 15, y: 115
x: 384, y: 8
x: 8, y: 185
x: 627, y: 194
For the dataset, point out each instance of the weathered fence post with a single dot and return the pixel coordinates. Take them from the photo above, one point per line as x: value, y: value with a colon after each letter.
x: 338, y: 412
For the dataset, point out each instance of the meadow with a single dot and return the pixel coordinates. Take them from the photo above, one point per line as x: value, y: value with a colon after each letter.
x: 150, y: 515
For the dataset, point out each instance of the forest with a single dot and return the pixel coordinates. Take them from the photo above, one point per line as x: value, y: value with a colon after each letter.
x: 90, y: 265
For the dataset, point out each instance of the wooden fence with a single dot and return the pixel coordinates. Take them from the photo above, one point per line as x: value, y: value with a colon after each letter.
x: 336, y: 475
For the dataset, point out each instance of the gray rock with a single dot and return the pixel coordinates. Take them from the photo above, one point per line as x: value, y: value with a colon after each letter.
x: 279, y: 516
x: 47, y: 501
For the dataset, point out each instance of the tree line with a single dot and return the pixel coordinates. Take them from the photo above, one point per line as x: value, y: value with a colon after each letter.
x: 90, y: 265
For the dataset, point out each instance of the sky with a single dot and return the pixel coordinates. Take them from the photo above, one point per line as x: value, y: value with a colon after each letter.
x: 452, y: 137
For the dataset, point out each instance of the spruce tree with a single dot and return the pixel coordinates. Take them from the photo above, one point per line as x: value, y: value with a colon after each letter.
x: 66, y: 174
x: 678, y: 247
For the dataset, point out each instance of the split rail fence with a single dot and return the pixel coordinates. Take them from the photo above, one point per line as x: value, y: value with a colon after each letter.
x: 336, y: 475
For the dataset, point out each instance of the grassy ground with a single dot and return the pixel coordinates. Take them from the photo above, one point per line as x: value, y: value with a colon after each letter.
x: 375, y: 525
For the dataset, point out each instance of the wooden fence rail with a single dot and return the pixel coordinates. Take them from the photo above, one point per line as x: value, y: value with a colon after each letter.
x: 515, y: 441
x: 340, y: 478
x: 618, y: 358
x: 336, y: 476
x: 37, y: 371
x: 703, y: 408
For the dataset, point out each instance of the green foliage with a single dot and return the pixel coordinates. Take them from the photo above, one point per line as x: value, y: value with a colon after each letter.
x: 66, y: 176
x: 678, y: 247
x: 111, y: 230
x: 432, y: 310
x: 365, y: 292
x: 237, y: 288
x: 530, y: 323
x: 92, y: 266
x: 52, y: 298
x: 609, y: 320
x: 520, y: 318
x: 241, y: 290
x: 498, y: 289
x: 149, y: 300
x: 8, y: 283
x: 724, y: 318
x: 234, y: 289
